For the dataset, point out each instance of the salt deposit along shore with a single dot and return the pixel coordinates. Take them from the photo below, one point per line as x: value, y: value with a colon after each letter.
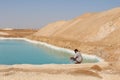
x: 55, y: 48
x: 87, y: 71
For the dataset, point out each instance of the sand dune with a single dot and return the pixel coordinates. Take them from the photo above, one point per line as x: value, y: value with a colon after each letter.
x: 89, y: 27
x: 92, y: 33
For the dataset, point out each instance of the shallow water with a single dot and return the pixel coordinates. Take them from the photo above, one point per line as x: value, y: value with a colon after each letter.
x: 22, y: 52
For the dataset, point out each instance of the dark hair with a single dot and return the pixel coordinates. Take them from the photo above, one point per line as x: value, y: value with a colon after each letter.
x: 76, y: 50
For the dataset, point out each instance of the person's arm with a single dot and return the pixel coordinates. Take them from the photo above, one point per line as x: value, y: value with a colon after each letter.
x: 74, y: 57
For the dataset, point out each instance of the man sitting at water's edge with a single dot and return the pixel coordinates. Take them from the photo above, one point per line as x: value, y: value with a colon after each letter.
x: 77, y: 57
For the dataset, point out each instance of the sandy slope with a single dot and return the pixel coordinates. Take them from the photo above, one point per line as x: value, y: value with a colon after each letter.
x: 89, y: 27
x: 51, y: 28
x: 93, y: 33
x: 98, y: 71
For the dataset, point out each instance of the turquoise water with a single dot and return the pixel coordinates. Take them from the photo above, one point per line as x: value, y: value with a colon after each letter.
x: 22, y: 52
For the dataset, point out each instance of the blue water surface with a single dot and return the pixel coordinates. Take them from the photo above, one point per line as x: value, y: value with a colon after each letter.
x: 22, y: 52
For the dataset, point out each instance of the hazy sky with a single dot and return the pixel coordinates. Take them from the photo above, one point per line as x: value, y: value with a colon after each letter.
x: 36, y: 13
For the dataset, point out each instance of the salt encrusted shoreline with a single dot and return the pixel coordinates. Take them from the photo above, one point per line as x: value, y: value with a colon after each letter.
x: 54, y: 47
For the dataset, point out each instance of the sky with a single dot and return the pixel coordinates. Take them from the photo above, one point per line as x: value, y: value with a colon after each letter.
x: 38, y: 13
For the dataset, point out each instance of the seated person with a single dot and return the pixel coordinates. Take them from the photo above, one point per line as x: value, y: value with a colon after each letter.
x: 77, y: 57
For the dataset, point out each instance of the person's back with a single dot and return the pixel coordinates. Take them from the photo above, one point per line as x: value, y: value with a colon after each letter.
x: 78, y: 57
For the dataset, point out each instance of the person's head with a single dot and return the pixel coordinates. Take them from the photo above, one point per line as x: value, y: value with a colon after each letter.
x: 76, y: 50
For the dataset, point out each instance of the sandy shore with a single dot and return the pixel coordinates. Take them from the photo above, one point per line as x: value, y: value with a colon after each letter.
x: 96, y: 71
x: 9, y: 32
x: 88, y: 71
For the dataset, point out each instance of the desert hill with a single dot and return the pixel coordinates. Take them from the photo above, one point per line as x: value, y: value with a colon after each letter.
x: 50, y: 29
x: 91, y: 27
x: 97, y: 33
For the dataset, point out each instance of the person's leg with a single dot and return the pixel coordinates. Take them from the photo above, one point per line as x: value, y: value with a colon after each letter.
x: 78, y: 62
